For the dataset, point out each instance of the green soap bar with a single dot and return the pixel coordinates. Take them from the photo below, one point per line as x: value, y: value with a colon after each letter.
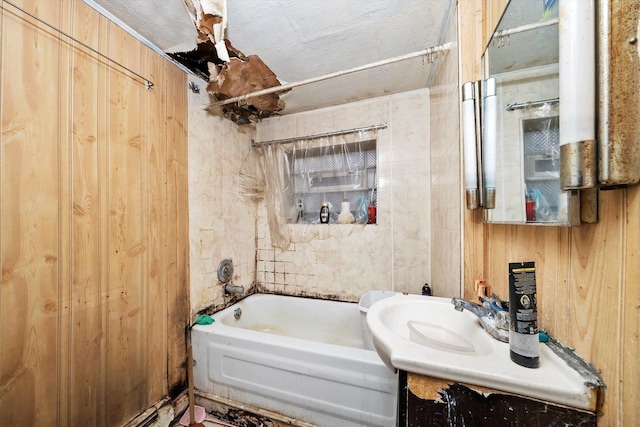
x: 203, y: 319
x: 543, y: 337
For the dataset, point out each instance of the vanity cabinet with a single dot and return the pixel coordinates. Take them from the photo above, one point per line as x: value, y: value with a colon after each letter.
x: 432, y: 402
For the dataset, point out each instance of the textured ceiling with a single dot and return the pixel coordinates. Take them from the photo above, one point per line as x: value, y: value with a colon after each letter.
x: 301, y: 39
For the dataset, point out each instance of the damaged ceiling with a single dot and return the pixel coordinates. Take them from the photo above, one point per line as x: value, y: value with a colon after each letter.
x: 285, y: 41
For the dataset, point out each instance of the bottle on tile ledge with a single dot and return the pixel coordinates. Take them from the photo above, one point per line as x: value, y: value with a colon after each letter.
x: 324, y: 213
x: 530, y: 208
x: 371, y: 212
x: 345, y: 216
x: 426, y: 290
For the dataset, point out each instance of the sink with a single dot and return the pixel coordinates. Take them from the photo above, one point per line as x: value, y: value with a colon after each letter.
x: 439, y: 336
x: 426, y: 335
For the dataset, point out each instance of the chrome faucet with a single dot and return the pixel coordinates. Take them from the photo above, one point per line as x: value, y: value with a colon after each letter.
x: 493, y: 318
x: 233, y: 289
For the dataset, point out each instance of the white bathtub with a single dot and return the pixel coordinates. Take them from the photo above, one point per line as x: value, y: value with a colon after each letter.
x: 301, y: 357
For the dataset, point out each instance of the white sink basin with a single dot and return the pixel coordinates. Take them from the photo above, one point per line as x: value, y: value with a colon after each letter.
x: 426, y: 335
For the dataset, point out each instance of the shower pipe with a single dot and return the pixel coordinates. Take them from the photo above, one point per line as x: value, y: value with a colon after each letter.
x: 320, y: 135
x: 243, y: 98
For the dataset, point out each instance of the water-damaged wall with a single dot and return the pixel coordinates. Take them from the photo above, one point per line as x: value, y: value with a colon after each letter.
x: 392, y: 254
x: 221, y: 223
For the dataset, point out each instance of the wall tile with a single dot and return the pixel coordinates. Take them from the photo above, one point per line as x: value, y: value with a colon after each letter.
x: 367, y: 259
x: 446, y: 196
x: 221, y: 225
x: 416, y: 240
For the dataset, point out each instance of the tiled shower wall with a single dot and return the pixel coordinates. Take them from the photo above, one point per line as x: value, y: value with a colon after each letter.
x: 393, y: 254
x: 446, y: 193
x: 221, y: 223
x: 417, y: 237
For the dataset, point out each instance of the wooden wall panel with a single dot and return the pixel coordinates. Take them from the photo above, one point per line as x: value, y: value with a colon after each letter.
x: 588, y: 276
x: 595, y: 298
x: 30, y: 179
x: 493, y: 10
x: 471, y: 45
x: 630, y: 348
x: 125, y: 390
x: 93, y: 221
x: 64, y: 227
x: 177, y: 271
x: 157, y: 279
x: 88, y: 328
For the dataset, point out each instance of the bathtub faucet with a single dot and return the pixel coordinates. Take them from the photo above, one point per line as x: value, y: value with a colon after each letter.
x: 494, y: 320
x: 233, y: 289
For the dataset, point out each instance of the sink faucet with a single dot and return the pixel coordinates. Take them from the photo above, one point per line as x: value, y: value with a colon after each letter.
x: 493, y: 319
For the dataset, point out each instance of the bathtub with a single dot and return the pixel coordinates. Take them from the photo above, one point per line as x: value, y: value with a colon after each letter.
x: 301, y: 357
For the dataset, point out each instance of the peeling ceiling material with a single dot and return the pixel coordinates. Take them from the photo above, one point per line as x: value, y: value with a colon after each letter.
x: 210, y: 20
x: 304, y: 39
x: 242, y: 76
x: 229, y: 72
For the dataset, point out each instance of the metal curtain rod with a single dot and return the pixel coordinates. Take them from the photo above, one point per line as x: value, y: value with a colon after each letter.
x: 320, y: 135
x: 243, y: 98
x: 527, y: 27
x: 147, y: 83
x: 521, y: 105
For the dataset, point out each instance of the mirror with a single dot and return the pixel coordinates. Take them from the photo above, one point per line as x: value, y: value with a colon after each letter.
x: 522, y: 57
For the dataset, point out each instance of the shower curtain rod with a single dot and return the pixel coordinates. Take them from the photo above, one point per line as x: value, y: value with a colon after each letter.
x: 147, y: 83
x: 521, y: 105
x: 527, y: 27
x: 243, y: 98
x: 320, y: 135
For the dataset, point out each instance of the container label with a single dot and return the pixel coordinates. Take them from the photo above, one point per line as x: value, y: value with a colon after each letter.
x: 523, y: 314
x: 523, y: 298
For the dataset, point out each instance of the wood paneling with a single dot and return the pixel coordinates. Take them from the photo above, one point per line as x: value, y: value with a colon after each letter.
x: 88, y: 150
x: 588, y: 277
x: 93, y: 221
x: 630, y: 309
x: 30, y: 304
x: 176, y: 233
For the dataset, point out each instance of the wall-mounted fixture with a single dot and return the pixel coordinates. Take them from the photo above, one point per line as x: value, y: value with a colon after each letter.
x: 479, y: 122
x: 562, y: 131
x: 577, y: 47
x: 470, y: 145
x: 225, y: 274
x: 225, y: 270
x: 489, y: 137
x: 618, y: 97
x: 518, y: 143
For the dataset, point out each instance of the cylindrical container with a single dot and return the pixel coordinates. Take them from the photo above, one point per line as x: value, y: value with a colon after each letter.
x: 426, y: 290
x: 489, y: 141
x: 372, y: 214
x: 324, y: 213
x: 530, y: 206
x: 469, y: 145
x: 524, y: 347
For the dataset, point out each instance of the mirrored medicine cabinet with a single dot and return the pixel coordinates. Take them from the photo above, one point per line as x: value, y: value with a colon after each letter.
x: 520, y: 133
